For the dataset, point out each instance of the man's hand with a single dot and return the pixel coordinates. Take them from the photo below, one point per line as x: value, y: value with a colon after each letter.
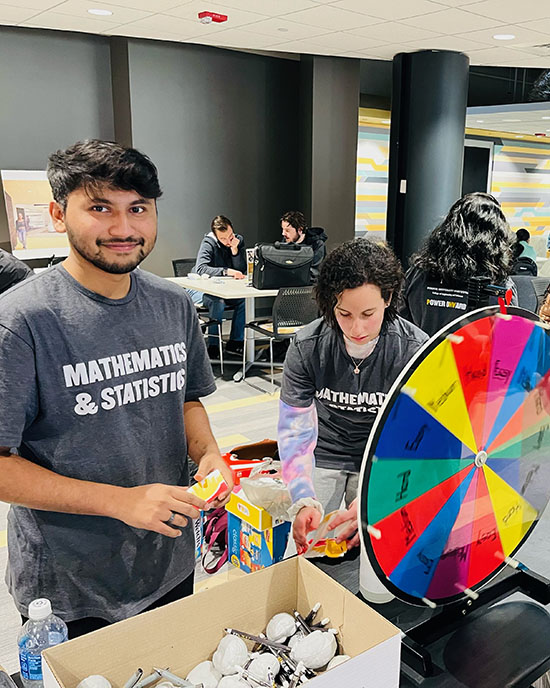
x: 234, y: 245
x: 236, y: 274
x: 307, y: 519
x: 208, y: 464
x: 151, y: 506
x: 350, y: 533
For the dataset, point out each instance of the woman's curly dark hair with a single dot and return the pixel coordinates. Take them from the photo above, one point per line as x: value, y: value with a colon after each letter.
x: 353, y: 264
x: 472, y: 241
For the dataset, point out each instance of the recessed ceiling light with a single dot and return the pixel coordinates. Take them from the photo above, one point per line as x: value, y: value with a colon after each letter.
x: 504, y: 36
x: 480, y: 121
x: 100, y: 13
x: 545, y: 117
x: 511, y: 120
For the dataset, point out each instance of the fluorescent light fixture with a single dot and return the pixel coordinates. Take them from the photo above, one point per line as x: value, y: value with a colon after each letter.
x: 100, y: 13
x: 511, y: 120
x: 480, y: 121
x: 545, y: 117
x: 504, y: 36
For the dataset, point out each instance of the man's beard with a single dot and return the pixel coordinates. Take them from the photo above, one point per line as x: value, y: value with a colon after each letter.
x: 114, y: 268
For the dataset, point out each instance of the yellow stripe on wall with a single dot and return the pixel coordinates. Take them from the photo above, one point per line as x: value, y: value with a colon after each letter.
x: 3, y: 538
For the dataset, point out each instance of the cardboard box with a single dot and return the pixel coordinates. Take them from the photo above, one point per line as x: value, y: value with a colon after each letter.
x: 252, y: 550
x: 187, y: 632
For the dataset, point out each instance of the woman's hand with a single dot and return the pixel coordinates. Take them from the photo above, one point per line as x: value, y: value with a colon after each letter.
x: 307, y: 519
x: 350, y: 533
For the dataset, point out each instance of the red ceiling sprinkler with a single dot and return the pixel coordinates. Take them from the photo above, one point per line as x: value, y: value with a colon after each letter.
x: 209, y: 17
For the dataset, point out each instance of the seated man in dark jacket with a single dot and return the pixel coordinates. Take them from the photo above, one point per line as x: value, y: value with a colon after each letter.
x: 222, y: 254
x: 12, y: 270
x: 296, y: 231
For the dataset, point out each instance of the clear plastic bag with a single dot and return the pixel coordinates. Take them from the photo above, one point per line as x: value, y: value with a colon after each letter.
x: 265, y: 488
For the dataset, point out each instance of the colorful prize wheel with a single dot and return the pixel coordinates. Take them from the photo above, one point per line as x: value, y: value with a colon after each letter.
x: 458, y: 464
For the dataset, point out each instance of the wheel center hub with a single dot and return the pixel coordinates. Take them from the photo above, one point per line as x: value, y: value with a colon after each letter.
x: 481, y: 458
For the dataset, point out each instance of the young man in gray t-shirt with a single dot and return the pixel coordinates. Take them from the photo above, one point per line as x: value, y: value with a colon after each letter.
x: 101, y: 370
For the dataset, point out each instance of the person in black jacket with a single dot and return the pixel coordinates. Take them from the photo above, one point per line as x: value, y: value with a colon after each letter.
x: 222, y: 254
x: 12, y: 270
x: 472, y: 241
x: 296, y: 231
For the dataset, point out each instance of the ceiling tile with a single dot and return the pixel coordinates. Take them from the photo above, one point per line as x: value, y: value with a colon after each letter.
x: 461, y: 45
x: 392, y: 32
x: 149, y: 5
x: 157, y: 35
x: 502, y: 57
x: 343, y: 40
x: 235, y: 18
x: 330, y: 17
x: 30, y: 4
x: 389, y: 9
x: 174, y: 25
x: 308, y: 47
x: 283, y: 30
x: 236, y: 38
x: 121, y: 15
x: 510, y: 11
x: 14, y: 15
x: 271, y: 8
x: 386, y: 52
x: 523, y: 36
x: 452, y: 21
x: 539, y: 25
x: 64, y: 22
x: 456, y: 3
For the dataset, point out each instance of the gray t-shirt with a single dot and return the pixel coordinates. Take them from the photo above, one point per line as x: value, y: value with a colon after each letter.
x: 318, y: 368
x: 93, y: 388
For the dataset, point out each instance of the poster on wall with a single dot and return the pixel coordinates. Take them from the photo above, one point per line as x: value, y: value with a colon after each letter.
x: 27, y: 195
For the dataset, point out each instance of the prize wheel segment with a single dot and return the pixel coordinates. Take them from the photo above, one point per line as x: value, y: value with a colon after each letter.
x: 458, y: 466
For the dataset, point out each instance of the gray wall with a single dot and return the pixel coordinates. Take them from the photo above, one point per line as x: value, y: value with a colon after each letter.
x: 55, y: 89
x: 222, y: 127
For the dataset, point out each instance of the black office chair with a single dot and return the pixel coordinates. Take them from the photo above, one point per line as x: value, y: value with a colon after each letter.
x: 539, y: 285
x: 527, y: 297
x: 293, y: 308
x: 182, y: 267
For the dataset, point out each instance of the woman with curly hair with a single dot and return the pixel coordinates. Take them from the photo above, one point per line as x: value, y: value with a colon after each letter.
x: 472, y: 241
x: 337, y: 373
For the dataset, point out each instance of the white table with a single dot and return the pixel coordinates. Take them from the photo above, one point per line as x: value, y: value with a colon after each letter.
x: 229, y: 288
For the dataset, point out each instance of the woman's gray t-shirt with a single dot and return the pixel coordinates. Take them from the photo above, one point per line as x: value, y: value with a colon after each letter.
x: 318, y: 368
x: 93, y: 389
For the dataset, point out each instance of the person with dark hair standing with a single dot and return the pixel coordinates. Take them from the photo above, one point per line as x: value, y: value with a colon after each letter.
x: 337, y: 373
x: 295, y: 231
x: 102, y: 367
x: 222, y: 254
x: 472, y: 241
x: 12, y: 270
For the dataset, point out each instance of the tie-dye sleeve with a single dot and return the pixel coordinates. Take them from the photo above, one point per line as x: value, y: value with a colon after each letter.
x: 297, y: 439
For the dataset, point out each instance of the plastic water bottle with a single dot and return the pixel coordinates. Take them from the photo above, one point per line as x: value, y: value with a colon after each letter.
x: 42, y: 630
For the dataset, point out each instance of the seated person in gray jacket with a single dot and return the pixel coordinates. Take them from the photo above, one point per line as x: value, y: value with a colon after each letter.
x: 222, y: 254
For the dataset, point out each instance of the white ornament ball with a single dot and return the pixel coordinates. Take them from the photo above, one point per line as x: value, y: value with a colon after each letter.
x: 94, y: 681
x: 205, y: 674
x: 232, y: 682
x: 336, y: 661
x: 280, y: 627
x: 315, y: 650
x: 231, y: 652
x: 295, y: 639
x: 260, y: 666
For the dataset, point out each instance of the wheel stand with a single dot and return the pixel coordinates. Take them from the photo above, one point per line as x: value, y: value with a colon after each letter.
x: 414, y: 651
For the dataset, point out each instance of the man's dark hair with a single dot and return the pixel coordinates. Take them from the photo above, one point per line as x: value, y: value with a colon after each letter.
x: 89, y: 165
x: 295, y: 219
x: 221, y: 224
x: 472, y: 241
x: 353, y: 264
x: 522, y: 234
